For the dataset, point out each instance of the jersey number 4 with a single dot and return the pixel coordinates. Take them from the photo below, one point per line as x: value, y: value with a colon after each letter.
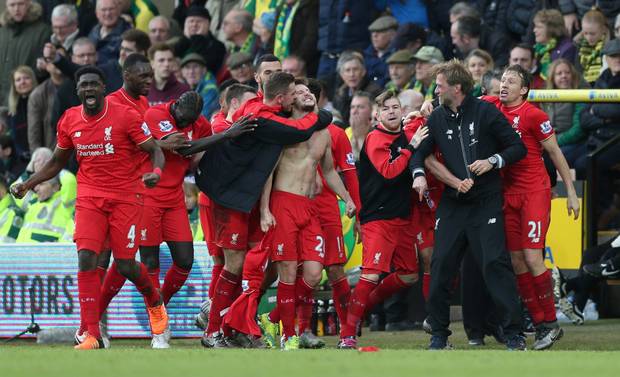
x: 131, y: 235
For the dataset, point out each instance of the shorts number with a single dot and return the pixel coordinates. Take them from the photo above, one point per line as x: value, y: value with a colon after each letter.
x: 320, y: 246
x: 131, y: 235
x: 535, y: 230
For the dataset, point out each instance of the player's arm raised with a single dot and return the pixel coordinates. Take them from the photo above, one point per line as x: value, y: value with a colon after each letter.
x: 241, y: 126
x: 157, y: 159
x: 552, y: 147
x: 48, y: 171
x: 333, y: 179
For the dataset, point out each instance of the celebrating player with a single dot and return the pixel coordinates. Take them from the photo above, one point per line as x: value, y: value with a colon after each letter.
x: 297, y: 237
x: 527, y: 201
x: 385, y: 190
x: 109, y: 140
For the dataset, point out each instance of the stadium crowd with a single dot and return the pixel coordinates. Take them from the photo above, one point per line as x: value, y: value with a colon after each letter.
x: 212, y: 66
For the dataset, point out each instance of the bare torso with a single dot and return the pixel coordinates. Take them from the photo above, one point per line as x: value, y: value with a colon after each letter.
x: 297, y: 170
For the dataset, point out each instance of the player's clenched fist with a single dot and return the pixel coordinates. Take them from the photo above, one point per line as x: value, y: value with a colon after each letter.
x: 18, y: 190
x: 150, y: 179
x: 350, y: 208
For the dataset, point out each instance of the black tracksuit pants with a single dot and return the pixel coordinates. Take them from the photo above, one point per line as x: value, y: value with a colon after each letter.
x: 478, y: 227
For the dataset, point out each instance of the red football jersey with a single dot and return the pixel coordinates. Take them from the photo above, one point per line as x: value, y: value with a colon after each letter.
x: 341, y: 154
x: 107, y: 150
x: 220, y: 123
x: 169, y: 190
x: 534, y: 127
x: 121, y: 96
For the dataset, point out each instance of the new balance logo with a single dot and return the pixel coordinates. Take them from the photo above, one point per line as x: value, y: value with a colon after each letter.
x: 77, y: 134
x: 234, y: 238
x: 143, y: 235
x: 109, y: 148
x: 492, y: 220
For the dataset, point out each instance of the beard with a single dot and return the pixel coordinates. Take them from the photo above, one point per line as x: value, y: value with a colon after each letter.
x: 444, y: 100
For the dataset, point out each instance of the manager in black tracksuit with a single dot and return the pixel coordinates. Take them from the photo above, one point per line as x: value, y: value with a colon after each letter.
x: 475, y: 140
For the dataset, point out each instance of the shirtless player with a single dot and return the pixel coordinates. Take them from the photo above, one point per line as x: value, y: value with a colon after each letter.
x: 288, y: 212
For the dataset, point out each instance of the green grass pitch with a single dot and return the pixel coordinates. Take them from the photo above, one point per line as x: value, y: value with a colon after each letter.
x: 592, y: 350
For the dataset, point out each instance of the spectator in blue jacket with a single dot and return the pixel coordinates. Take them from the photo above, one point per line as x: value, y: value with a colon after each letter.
x: 382, y: 33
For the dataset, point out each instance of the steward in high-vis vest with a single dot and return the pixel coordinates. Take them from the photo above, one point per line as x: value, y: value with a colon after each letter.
x: 11, y: 217
x: 47, y: 219
x: 191, y: 204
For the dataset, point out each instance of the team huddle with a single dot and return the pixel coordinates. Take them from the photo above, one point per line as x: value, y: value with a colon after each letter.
x: 271, y: 167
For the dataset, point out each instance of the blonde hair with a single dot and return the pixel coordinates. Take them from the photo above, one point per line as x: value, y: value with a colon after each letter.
x: 554, y: 21
x: 482, y: 55
x: 573, y: 71
x: 13, y: 95
x: 455, y: 73
x: 595, y: 16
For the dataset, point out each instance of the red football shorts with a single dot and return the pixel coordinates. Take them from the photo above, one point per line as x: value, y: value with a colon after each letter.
x: 527, y: 218
x: 165, y: 224
x: 297, y: 235
x: 208, y: 229
x: 331, y: 224
x: 387, y: 246
x: 422, y: 229
x: 235, y: 229
x: 99, y: 218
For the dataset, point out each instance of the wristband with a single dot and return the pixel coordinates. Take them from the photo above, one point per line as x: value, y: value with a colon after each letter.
x: 157, y: 171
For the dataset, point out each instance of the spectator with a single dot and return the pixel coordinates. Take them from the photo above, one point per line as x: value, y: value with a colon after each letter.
x: 107, y: 33
x: 617, y: 27
x: 360, y: 121
x: 85, y: 13
x: 263, y: 28
x: 11, y: 165
x: 237, y: 29
x: 594, y: 34
x: 190, y: 191
x: 402, y: 71
x: 180, y: 11
x: 478, y: 63
x: 490, y: 83
x: 23, y: 33
x: 520, y: 21
x: 382, y: 33
x: 353, y: 73
x: 47, y: 219
x: 342, y: 27
x: 197, y: 38
x: 463, y: 9
x: 523, y: 55
x: 552, y: 40
x: 220, y: 8
x: 410, y: 37
x: 142, y: 12
x: 133, y: 41
x: 296, y: 31
x: 165, y: 86
x: 241, y: 68
x: 426, y: 58
x: 294, y: 65
x: 565, y: 117
x: 468, y: 34
x: 200, y: 80
x: 64, y: 26
x: 602, y: 121
x: 41, y: 131
x: 23, y: 81
x: 410, y: 101
x: 159, y: 29
x: 11, y: 217
x: 574, y: 10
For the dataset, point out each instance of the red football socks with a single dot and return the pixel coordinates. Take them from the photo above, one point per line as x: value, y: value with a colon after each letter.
x: 89, y: 287
x: 175, y: 278
x: 274, y: 314
x: 286, y: 306
x: 154, y: 276
x: 224, y: 297
x: 101, y: 273
x: 386, y: 288
x: 357, y: 306
x: 145, y: 286
x: 215, y: 275
x: 341, y: 293
x: 305, y: 300
x: 543, y: 286
x: 525, y: 283
x: 112, y: 284
x: 426, y: 285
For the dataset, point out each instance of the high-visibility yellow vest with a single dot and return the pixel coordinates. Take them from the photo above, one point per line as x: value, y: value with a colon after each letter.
x: 48, y: 221
x: 11, y: 219
x: 68, y: 191
x: 194, y: 223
